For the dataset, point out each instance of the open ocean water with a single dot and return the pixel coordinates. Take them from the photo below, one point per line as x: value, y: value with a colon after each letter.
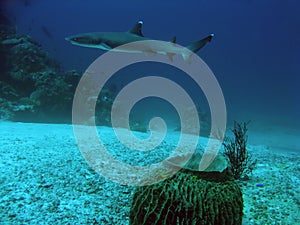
x: 50, y: 86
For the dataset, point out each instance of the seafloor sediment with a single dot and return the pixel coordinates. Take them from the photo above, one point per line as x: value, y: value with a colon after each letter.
x: 45, y: 180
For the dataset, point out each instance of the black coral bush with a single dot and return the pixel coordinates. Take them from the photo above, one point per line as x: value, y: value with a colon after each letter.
x: 235, y: 149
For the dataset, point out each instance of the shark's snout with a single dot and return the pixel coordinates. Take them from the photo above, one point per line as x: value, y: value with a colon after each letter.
x: 73, y: 39
x: 85, y: 40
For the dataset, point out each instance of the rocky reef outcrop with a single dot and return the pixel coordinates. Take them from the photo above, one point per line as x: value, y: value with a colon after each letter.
x: 33, y: 87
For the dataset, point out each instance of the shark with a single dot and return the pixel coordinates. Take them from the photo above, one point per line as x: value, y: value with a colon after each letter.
x: 116, y: 41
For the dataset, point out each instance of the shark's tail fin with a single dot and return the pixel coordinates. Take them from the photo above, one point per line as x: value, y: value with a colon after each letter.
x: 196, y: 46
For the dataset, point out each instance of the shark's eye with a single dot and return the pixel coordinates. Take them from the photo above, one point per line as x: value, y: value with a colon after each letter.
x: 75, y: 39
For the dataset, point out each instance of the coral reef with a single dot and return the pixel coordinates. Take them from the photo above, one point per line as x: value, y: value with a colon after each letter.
x: 32, y: 86
x: 188, y: 198
x: 104, y: 105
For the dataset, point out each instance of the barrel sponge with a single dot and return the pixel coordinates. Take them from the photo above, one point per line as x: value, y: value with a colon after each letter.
x: 186, y: 199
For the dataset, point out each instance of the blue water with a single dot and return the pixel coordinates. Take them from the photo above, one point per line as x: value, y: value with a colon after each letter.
x: 254, y: 55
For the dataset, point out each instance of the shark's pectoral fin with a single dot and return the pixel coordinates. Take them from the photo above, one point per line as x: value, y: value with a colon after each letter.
x: 149, y: 53
x: 186, y: 55
x: 137, y: 29
x: 170, y: 55
x: 104, y: 46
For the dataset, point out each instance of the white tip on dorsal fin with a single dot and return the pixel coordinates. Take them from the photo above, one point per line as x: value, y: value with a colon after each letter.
x: 137, y: 29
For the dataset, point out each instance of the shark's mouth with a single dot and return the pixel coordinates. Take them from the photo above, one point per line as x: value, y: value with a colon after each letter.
x: 104, y: 46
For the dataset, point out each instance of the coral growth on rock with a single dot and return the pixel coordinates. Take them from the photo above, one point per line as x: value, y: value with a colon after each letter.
x: 188, y: 198
x: 32, y: 86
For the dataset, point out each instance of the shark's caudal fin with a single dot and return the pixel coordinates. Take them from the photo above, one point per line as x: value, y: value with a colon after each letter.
x: 196, y: 46
x: 137, y: 29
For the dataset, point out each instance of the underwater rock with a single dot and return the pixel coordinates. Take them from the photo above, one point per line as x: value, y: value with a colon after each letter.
x: 219, y: 163
x: 7, y: 91
x: 217, y: 171
x: 26, y: 58
x: 5, y: 112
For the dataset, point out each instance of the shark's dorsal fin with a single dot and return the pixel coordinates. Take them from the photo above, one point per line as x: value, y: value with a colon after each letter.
x: 137, y: 29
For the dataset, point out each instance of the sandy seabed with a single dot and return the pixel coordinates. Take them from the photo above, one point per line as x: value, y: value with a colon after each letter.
x: 45, y: 179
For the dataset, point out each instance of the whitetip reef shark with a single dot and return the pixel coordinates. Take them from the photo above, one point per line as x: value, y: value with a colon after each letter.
x: 111, y: 40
